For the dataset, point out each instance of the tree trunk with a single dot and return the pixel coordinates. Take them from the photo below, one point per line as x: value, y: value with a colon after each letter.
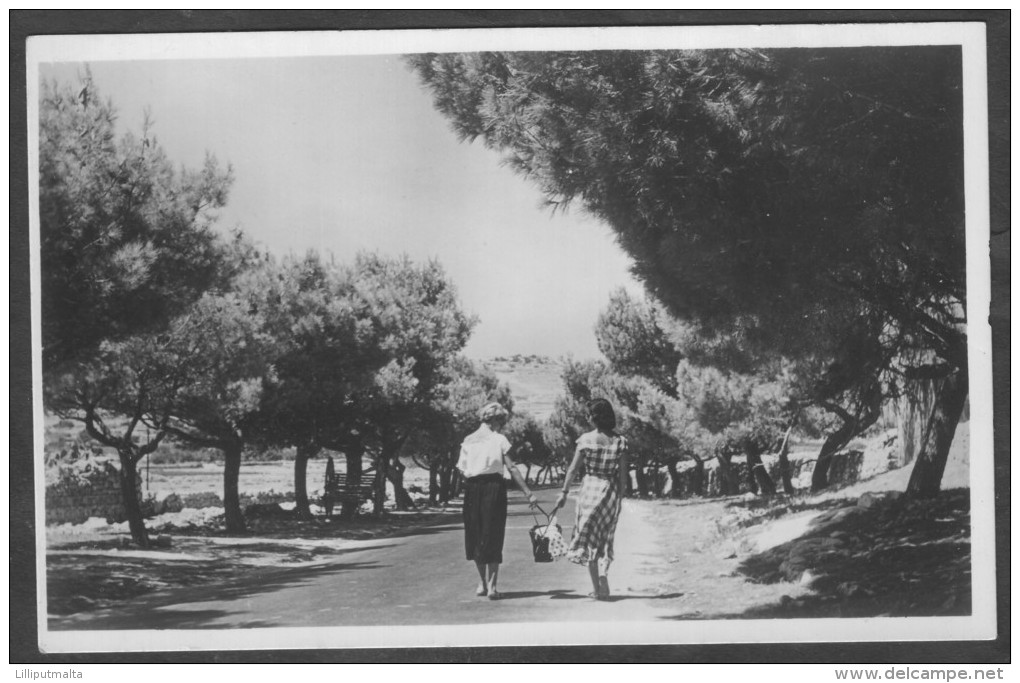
x: 628, y: 489
x: 784, y: 462
x: 433, y: 482
x: 926, y: 477
x: 456, y: 482
x: 913, y: 409
x: 231, y: 498
x: 835, y: 441
x: 698, y: 478
x: 752, y: 482
x: 349, y: 507
x: 757, y: 468
x: 659, y: 481
x: 400, y: 494
x: 674, y: 479
x: 542, y: 476
x: 328, y: 499
x: 381, y: 474
x: 129, y: 496
x: 305, y: 452
x: 728, y: 485
x: 445, y: 481
x: 638, y: 486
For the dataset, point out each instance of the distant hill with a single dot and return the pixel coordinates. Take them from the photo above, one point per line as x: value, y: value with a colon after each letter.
x: 534, y: 380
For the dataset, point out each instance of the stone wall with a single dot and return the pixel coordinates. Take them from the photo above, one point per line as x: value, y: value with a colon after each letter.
x: 878, y: 455
x: 78, y: 490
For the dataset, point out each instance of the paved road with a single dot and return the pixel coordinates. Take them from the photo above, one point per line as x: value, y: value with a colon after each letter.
x: 416, y: 579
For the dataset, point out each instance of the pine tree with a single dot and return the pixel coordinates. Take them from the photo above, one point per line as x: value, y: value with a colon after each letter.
x: 817, y: 193
x: 126, y: 241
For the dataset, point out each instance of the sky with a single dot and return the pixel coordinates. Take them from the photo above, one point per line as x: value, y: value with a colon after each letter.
x: 347, y: 153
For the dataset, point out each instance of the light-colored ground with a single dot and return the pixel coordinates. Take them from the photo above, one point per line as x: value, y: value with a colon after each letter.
x: 675, y: 560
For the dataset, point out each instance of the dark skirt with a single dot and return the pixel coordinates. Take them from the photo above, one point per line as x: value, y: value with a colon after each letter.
x: 484, y: 518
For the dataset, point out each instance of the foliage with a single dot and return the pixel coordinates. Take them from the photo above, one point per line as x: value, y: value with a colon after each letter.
x: 780, y: 184
x: 807, y: 201
x: 77, y: 467
x: 733, y: 409
x: 631, y: 397
x: 126, y: 246
x: 328, y: 351
x: 417, y: 317
x: 453, y: 412
x: 363, y: 350
x: 526, y: 433
x: 128, y: 386
x: 630, y: 335
x: 224, y: 342
x: 125, y: 239
x: 365, y: 346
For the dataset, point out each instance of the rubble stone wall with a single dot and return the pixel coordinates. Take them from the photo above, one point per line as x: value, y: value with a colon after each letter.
x: 73, y: 495
x: 881, y: 454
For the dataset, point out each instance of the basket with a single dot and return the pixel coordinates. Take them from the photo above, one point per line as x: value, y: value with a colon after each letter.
x: 547, y: 542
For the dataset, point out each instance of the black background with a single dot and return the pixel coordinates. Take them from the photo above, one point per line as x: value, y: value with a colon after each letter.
x: 23, y: 608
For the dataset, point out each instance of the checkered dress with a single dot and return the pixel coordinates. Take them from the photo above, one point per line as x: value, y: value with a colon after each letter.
x: 598, y: 503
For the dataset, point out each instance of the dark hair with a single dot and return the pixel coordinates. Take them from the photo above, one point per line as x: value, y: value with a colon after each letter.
x: 601, y: 412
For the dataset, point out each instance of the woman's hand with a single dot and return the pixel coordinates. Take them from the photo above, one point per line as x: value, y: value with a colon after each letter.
x: 560, y: 501
x: 532, y: 501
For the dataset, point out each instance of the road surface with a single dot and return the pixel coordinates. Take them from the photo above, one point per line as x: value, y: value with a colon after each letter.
x: 417, y: 579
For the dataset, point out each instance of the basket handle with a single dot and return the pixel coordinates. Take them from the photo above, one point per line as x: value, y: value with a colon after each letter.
x: 549, y: 518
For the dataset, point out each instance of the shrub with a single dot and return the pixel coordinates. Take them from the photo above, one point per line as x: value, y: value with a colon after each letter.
x: 266, y: 497
x: 174, y: 455
x: 76, y: 465
x: 206, y: 499
x: 150, y: 507
x: 172, y: 503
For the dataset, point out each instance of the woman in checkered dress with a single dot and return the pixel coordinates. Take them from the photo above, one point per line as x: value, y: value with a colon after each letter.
x: 604, y: 455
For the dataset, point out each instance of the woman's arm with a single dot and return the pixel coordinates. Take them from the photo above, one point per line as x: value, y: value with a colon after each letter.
x: 516, y: 476
x: 569, y: 477
x: 624, y: 471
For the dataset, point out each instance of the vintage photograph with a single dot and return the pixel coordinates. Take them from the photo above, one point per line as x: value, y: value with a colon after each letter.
x: 489, y: 337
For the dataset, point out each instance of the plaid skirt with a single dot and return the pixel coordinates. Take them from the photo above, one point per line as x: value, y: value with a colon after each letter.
x: 598, y: 510
x: 484, y: 518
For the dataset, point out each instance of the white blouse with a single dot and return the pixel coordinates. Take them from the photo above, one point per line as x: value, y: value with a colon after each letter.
x: 482, y: 453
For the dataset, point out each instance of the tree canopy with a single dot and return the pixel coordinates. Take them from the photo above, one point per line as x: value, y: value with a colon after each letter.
x: 632, y: 337
x: 809, y: 200
x: 126, y: 240
x: 773, y: 183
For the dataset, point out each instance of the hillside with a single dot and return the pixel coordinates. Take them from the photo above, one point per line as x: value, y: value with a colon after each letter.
x: 534, y: 380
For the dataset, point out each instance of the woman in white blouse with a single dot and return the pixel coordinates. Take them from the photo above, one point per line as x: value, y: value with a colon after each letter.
x: 483, y: 456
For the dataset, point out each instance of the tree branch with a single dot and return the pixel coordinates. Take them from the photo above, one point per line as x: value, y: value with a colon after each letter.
x: 838, y: 410
x: 932, y: 371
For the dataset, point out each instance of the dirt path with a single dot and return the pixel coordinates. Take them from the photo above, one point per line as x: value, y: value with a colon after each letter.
x: 696, y: 568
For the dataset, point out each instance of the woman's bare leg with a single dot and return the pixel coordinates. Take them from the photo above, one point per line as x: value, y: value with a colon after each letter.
x: 593, y: 571
x: 483, y: 585
x: 493, y: 577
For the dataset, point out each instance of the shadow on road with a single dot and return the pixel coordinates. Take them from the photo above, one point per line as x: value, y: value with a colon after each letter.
x: 573, y: 595
x: 553, y: 595
x: 638, y: 596
x: 152, y: 612
x: 181, y: 619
